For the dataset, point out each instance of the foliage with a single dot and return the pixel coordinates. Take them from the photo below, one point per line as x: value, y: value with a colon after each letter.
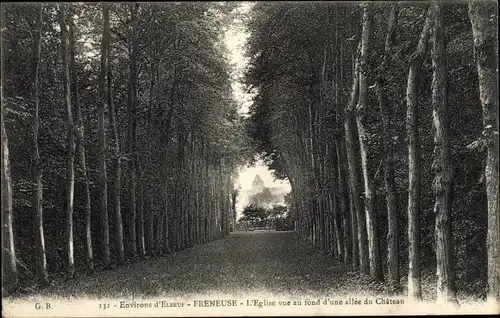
x: 275, y: 217
x: 188, y: 127
x: 296, y: 53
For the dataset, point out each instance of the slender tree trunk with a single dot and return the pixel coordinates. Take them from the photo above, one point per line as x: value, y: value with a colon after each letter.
x: 197, y: 206
x: 370, y: 196
x: 159, y: 232
x: 141, y: 173
x: 132, y: 105
x: 177, y: 214
x: 386, y: 109
x: 211, y: 224
x: 117, y: 214
x: 229, y: 210
x: 36, y: 169
x: 331, y: 234
x: 344, y: 201
x: 350, y: 226
x: 189, y: 197
x: 234, y: 197
x: 485, y: 44
x: 311, y: 138
x: 442, y: 184
x: 336, y: 214
x: 9, y: 264
x: 80, y: 148
x: 354, y: 234
x: 204, y: 192
x: 164, y: 232
x: 353, y: 174
x: 149, y: 231
x: 414, y: 165
x: 103, y: 179
x: 70, y: 265
x: 219, y: 197
x: 140, y: 218
x: 339, y: 148
x: 192, y: 192
x: 337, y: 229
x: 149, y: 189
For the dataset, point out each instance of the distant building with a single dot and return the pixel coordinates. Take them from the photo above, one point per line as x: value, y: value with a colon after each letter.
x: 264, y: 196
x: 257, y: 185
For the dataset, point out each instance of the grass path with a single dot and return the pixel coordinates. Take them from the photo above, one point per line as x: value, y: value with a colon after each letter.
x: 244, y: 262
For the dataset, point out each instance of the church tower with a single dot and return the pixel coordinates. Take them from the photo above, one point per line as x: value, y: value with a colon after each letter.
x: 257, y: 185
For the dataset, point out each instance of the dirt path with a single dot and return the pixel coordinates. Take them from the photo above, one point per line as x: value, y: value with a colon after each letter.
x: 244, y: 262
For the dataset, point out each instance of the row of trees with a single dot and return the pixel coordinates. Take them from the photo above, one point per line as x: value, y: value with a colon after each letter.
x: 121, y: 136
x: 350, y: 94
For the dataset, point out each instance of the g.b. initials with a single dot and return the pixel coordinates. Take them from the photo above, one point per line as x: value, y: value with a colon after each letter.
x: 39, y: 306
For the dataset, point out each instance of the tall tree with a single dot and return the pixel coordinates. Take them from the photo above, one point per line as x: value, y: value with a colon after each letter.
x: 80, y: 149
x: 386, y: 109
x: 349, y: 224
x: 363, y: 133
x: 350, y: 132
x: 414, y: 165
x: 141, y: 248
x: 9, y: 264
x: 116, y: 192
x: 36, y: 168
x: 485, y: 33
x: 234, y: 197
x: 132, y: 143
x: 149, y: 239
x: 70, y: 169
x: 441, y: 166
x: 103, y: 179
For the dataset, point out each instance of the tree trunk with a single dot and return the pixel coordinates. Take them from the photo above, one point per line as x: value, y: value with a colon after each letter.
x: 140, y: 218
x: 386, y: 109
x: 70, y: 187
x: 370, y: 195
x: 204, y: 193
x: 178, y: 221
x: 192, y: 194
x: 164, y: 219
x: 485, y: 43
x: 9, y: 265
x: 80, y: 148
x: 103, y: 179
x: 311, y: 148
x: 117, y: 214
x: 159, y: 232
x: 132, y: 108
x: 166, y: 224
x: 149, y: 231
x: 234, y: 197
x: 353, y: 173
x: 337, y: 229
x: 334, y: 208
x: 342, y: 184
x: 36, y: 169
x: 149, y: 189
x: 196, y: 189
x: 414, y: 170
x: 354, y: 233
x: 441, y: 166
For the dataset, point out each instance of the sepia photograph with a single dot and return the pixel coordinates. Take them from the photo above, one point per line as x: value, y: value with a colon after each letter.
x: 253, y: 158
